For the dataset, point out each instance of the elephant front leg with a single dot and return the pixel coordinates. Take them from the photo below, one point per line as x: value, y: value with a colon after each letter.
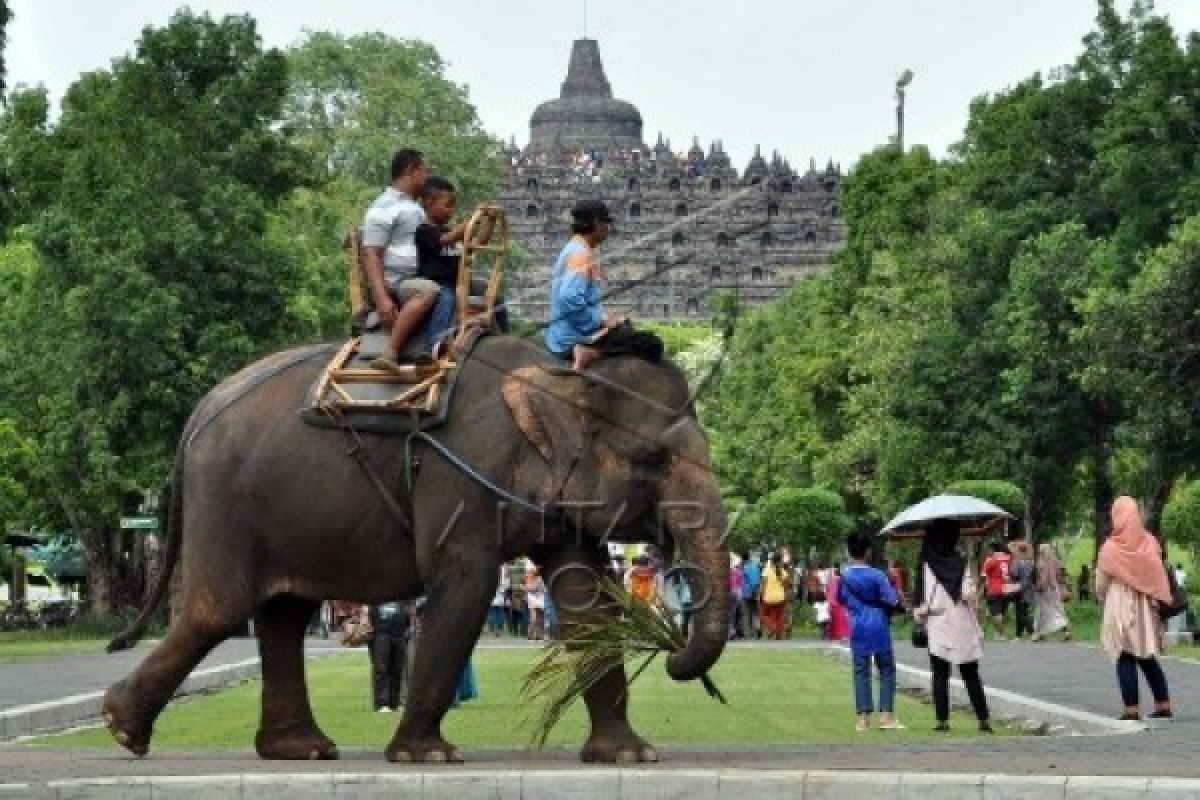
x: 573, y: 579
x: 450, y: 624
x: 287, y: 729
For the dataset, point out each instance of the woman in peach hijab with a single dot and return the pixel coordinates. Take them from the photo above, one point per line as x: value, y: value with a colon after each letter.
x: 1131, y: 582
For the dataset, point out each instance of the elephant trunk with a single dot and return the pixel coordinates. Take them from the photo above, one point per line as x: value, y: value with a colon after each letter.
x: 697, y: 525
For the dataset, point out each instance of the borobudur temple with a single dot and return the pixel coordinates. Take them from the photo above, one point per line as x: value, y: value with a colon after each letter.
x: 689, y: 226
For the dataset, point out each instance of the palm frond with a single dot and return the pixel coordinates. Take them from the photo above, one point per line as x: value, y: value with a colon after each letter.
x: 630, y: 629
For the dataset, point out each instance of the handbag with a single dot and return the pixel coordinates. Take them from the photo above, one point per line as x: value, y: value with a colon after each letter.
x: 920, y: 636
x: 920, y: 632
x: 1179, y: 598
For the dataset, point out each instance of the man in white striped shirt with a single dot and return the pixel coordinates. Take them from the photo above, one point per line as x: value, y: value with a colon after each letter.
x: 401, y: 299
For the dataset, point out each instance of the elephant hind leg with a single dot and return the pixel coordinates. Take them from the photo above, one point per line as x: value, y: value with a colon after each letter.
x: 132, y: 705
x: 287, y: 729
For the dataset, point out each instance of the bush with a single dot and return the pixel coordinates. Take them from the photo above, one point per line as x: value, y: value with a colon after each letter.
x: 1181, y: 518
x: 801, y: 519
x: 999, y: 493
x: 677, y: 338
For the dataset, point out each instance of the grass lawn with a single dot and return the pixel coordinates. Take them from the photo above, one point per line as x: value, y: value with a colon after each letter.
x: 33, y: 645
x: 774, y: 696
x: 1189, y: 651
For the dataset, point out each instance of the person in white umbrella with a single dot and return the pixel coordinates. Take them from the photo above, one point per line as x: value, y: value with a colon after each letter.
x: 949, y: 611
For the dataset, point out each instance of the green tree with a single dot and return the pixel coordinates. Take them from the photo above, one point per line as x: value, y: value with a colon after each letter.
x: 1181, y: 519
x: 354, y: 99
x: 17, y: 458
x: 351, y: 102
x: 1056, y: 421
x: 1147, y: 340
x: 153, y: 263
x: 1007, y: 496
x: 30, y: 169
x: 804, y: 520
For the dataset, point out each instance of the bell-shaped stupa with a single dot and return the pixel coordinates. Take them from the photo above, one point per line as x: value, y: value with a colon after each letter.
x: 585, y: 116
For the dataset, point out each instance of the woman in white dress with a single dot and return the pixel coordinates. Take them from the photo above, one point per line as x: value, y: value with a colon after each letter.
x: 1048, y: 596
x: 950, y: 614
x: 535, y: 601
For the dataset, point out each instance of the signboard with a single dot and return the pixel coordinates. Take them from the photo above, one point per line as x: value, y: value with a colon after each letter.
x: 139, y: 523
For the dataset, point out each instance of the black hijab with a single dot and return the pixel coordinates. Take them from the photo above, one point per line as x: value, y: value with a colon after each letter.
x: 939, y: 549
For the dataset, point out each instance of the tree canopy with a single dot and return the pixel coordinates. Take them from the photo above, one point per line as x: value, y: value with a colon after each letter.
x: 1023, y: 308
x: 180, y: 216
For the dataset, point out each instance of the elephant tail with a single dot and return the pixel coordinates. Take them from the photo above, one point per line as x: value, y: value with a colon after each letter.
x: 130, y: 636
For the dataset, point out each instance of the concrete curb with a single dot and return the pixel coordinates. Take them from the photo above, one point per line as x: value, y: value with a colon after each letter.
x: 66, y: 712
x: 618, y: 784
x: 1003, y: 704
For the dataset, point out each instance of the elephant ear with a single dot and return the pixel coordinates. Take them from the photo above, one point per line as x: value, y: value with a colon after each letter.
x: 548, y: 409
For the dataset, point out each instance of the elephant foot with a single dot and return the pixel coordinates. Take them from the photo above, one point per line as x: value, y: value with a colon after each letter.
x: 299, y: 741
x: 623, y: 748
x: 433, y: 750
x: 131, y: 729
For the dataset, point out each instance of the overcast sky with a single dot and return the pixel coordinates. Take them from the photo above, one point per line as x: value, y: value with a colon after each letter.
x: 811, y: 79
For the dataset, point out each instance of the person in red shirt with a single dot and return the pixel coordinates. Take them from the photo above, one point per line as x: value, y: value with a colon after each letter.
x: 996, y: 580
x: 895, y: 575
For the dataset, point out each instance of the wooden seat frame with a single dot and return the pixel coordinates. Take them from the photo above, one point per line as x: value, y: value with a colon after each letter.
x: 425, y: 381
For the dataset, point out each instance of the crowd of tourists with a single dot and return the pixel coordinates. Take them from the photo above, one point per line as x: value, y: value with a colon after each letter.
x: 587, y: 164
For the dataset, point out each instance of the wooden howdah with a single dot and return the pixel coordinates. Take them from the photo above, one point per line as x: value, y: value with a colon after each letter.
x: 351, y: 385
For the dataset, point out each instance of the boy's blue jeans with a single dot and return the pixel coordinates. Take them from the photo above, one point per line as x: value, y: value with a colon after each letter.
x: 886, y: 663
x: 441, y: 319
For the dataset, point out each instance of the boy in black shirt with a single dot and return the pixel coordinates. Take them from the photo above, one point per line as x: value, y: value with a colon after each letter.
x: 439, y: 252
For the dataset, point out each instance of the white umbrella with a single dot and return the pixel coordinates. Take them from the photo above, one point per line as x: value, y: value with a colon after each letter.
x: 960, y: 507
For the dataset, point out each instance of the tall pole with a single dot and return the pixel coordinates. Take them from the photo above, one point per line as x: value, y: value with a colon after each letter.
x: 585, y: 18
x: 901, y: 83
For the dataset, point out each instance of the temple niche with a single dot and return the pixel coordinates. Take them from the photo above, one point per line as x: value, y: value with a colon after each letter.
x: 688, y: 224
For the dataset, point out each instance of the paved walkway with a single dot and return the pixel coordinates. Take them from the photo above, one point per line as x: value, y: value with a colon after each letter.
x: 38, y: 681
x: 1077, y: 675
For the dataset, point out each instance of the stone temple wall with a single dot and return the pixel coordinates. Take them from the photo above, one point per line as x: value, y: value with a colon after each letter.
x: 682, y: 239
x: 688, y: 226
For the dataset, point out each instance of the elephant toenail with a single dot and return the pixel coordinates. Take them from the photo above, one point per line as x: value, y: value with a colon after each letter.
x: 314, y: 754
x: 626, y: 757
x: 649, y: 754
x: 402, y: 755
x: 122, y: 737
x: 436, y: 756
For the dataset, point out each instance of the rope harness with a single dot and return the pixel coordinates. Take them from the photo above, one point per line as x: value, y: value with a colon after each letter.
x: 360, y: 454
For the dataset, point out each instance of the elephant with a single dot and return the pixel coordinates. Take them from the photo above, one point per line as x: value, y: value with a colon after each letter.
x: 269, y: 516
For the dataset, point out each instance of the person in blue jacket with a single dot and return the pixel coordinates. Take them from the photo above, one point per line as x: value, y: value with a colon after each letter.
x: 869, y: 597
x: 577, y: 319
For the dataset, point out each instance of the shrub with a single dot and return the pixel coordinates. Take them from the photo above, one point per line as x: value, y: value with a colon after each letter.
x: 999, y: 493
x: 1181, y: 518
x: 801, y: 519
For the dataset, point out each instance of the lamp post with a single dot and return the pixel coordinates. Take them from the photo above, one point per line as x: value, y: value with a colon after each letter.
x: 901, y: 84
